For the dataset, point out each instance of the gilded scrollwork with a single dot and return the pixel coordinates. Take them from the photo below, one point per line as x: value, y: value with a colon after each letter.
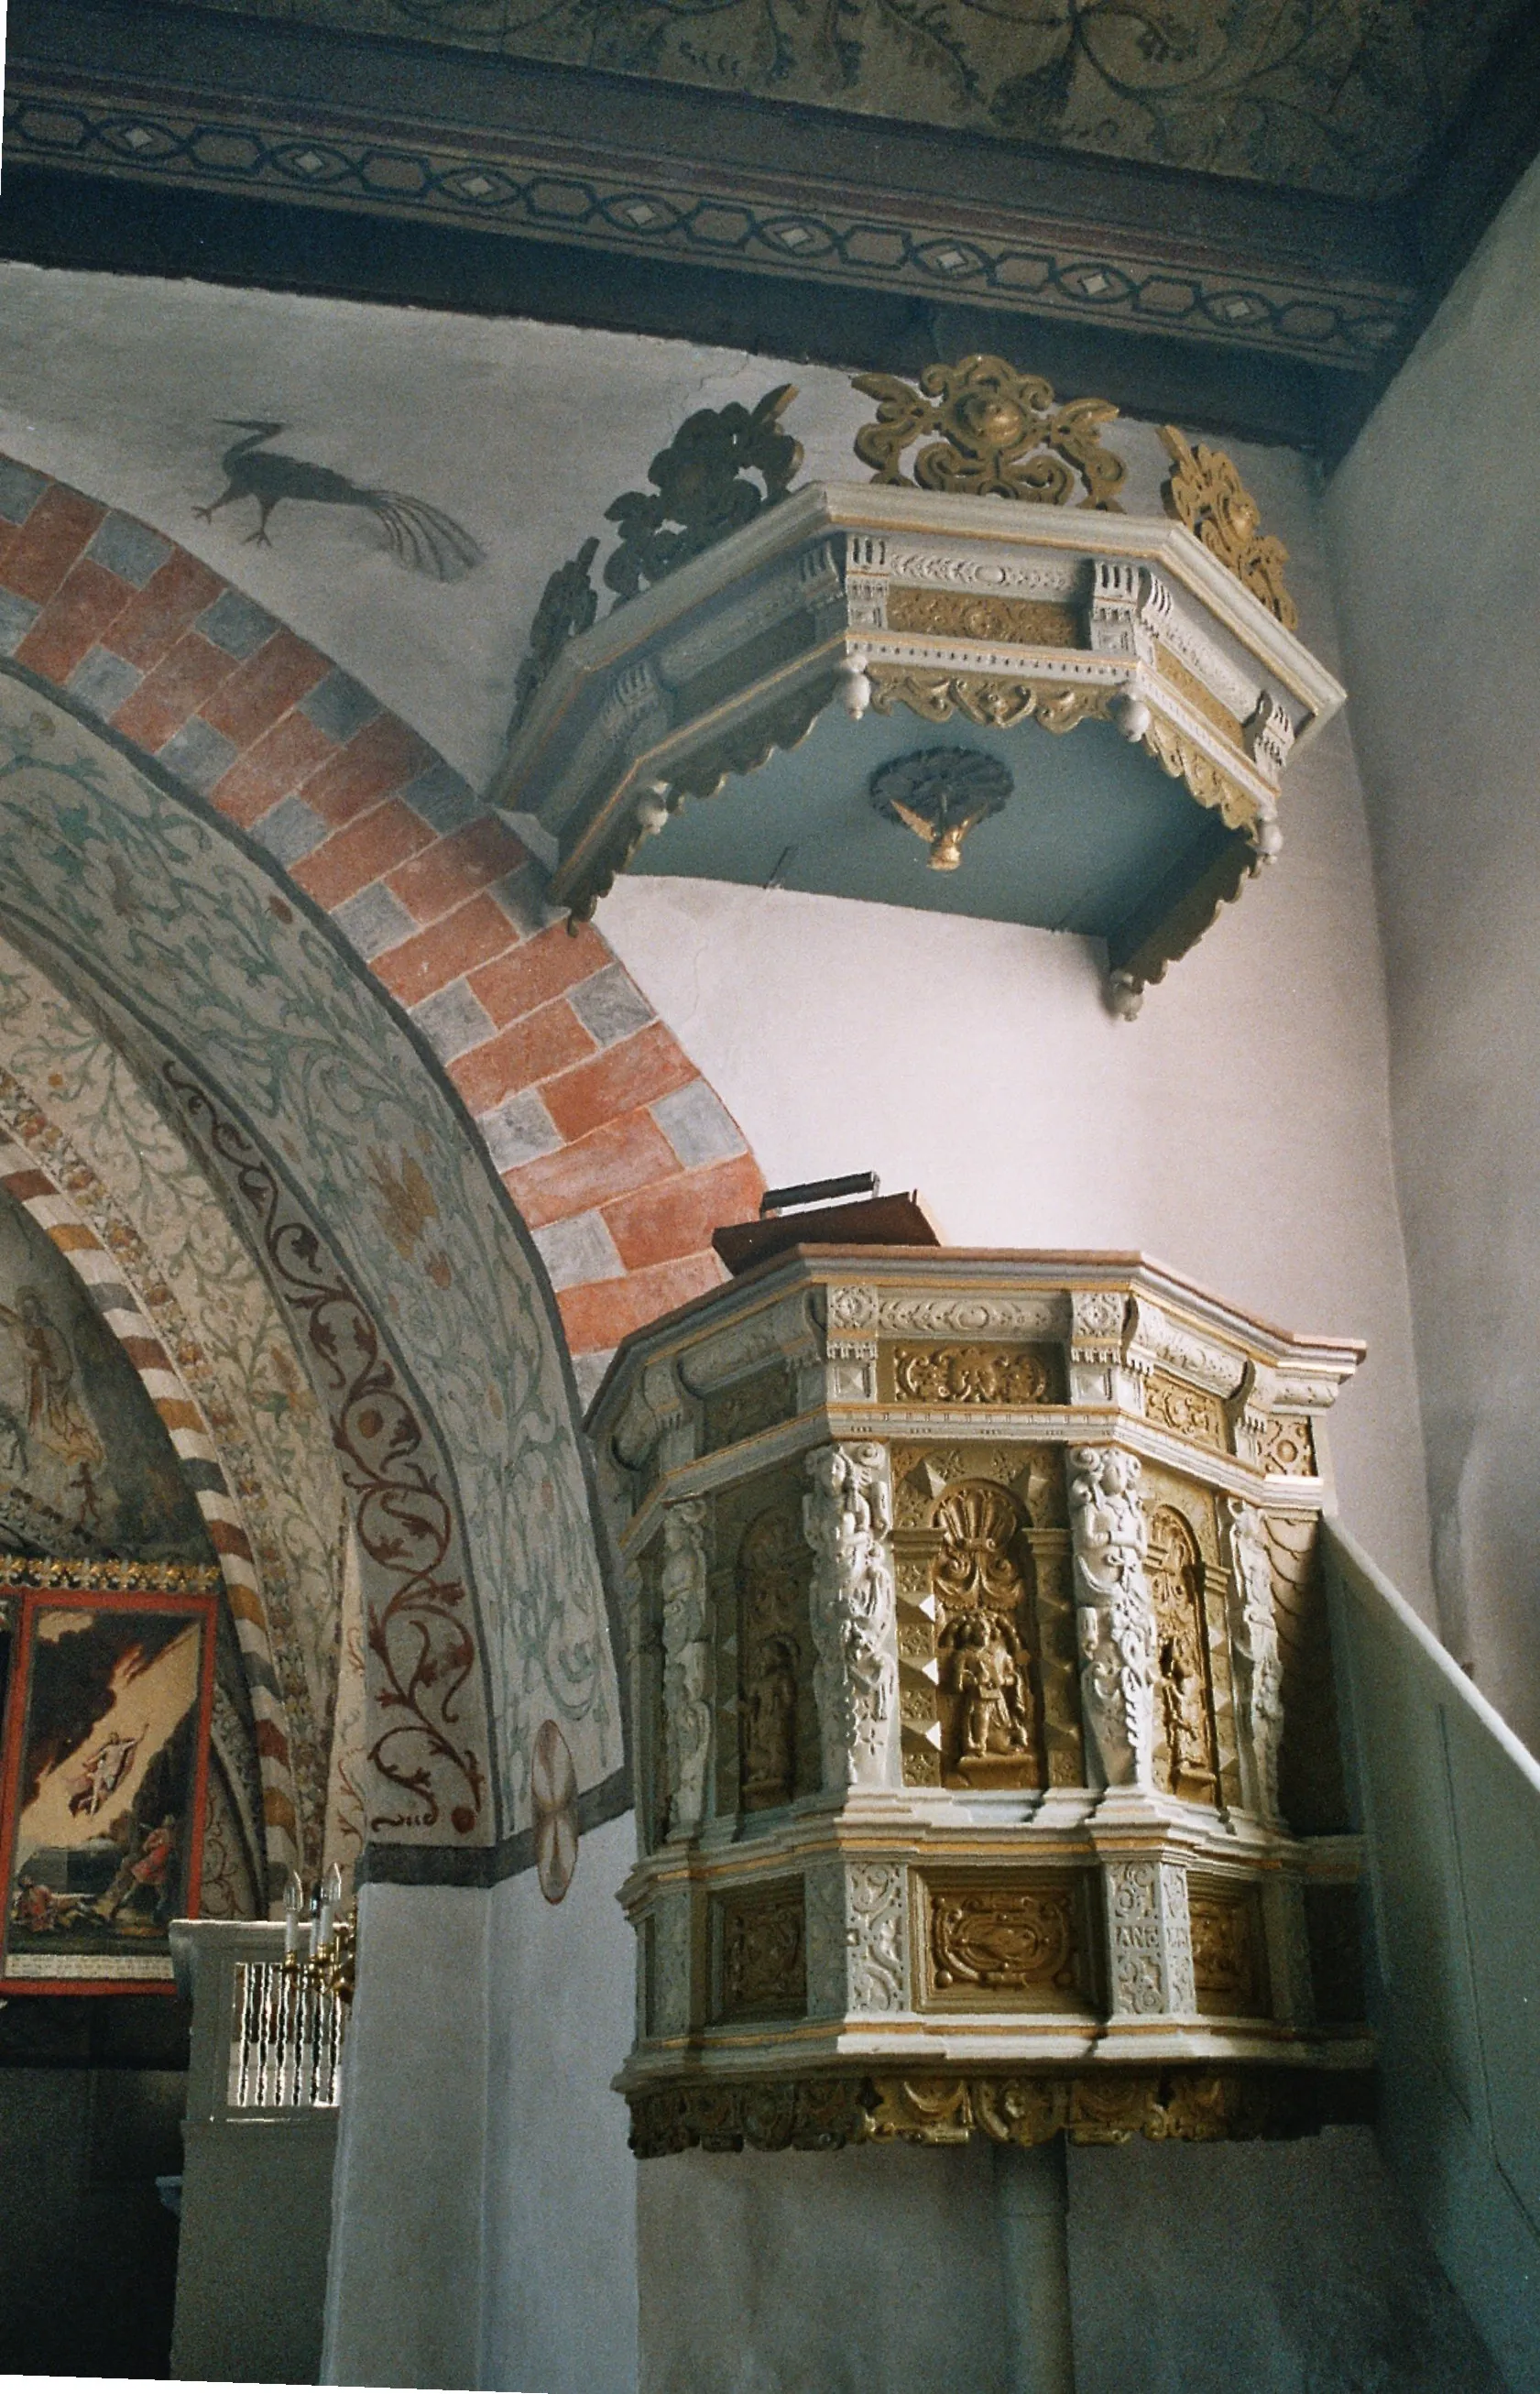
x: 972, y: 1375
x: 1193, y: 1414
x: 1227, y: 1953
x: 763, y: 1961
x: 984, y: 615
x: 1204, y: 492
x: 1002, y: 1940
x: 998, y: 434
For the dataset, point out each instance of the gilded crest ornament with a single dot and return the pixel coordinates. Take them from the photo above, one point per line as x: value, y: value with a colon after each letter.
x: 1204, y: 493
x: 702, y: 489
x: 1000, y: 434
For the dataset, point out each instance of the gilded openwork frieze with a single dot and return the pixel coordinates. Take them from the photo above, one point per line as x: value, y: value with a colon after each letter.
x: 946, y: 1737
x: 1181, y: 2105
x: 1004, y: 1377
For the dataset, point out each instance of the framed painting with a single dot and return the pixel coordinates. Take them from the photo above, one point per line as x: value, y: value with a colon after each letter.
x: 103, y: 1773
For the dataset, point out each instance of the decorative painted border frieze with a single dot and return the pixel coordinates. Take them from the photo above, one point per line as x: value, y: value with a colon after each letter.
x: 547, y: 189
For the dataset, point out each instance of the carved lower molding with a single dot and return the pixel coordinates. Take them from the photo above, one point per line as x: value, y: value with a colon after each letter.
x: 1186, y: 2105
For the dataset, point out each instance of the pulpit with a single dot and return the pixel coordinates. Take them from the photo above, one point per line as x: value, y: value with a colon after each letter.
x: 986, y: 1752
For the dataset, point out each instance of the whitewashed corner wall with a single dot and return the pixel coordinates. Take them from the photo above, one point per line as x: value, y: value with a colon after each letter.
x: 1434, y: 524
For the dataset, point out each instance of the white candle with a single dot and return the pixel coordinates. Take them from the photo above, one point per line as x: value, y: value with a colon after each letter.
x: 294, y: 1897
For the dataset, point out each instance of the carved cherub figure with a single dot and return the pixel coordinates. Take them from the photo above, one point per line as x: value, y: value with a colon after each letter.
x: 996, y: 1706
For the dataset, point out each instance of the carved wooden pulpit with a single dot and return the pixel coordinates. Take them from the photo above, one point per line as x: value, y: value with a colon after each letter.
x: 987, y: 1766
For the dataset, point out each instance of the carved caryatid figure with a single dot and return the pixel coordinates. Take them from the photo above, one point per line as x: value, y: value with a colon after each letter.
x: 686, y: 1712
x: 848, y: 1515
x: 1258, y: 1663
x: 1116, y: 1619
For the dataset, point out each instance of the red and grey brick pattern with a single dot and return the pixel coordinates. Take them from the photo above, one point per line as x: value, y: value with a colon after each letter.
x: 619, y: 1156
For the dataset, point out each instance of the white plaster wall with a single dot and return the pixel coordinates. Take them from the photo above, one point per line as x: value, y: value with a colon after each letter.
x: 1272, y: 2268
x: 561, y: 2267
x: 403, y: 2294
x: 1239, y: 1129
x: 1435, y: 527
x: 876, y: 2270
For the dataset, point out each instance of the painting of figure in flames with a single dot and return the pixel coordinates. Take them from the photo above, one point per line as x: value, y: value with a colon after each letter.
x: 105, y: 1737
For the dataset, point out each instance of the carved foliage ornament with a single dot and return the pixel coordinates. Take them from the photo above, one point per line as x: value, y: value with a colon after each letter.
x: 702, y: 489
x: 971, y: 1376
x: 846, y: 1519
x: 1204, y: 493
x: 998, y: 435
x: 986, y: 699
x: 1188, y: 2104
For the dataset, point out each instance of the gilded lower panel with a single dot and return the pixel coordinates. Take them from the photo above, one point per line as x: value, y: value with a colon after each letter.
x: 1183, y: 2104
x: 759, y: 1952
x: 1014, y: 1942
x: 1230, y: 1971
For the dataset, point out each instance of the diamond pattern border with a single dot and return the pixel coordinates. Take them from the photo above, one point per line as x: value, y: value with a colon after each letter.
x: 553, y: 199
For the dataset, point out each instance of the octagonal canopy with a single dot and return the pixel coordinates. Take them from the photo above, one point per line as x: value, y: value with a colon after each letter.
x: 855, y: 626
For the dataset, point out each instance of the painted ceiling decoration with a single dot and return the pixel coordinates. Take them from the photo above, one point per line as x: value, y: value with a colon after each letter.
x: 1243, y: 187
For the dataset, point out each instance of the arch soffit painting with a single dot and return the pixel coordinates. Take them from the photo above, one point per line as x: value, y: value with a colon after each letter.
x: 101, y: 1171
x: 368, y: 1199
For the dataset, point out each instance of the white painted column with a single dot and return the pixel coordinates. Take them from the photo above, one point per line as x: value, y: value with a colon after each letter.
x: 1031, y: 2206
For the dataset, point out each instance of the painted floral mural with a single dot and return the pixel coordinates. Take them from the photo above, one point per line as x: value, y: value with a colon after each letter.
x: 1341, y: 96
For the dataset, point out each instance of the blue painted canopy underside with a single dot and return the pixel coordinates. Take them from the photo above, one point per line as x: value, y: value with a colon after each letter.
x: 1091, y: 828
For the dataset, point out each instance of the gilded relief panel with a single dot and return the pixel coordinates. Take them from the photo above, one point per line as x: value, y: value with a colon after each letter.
x: 1230, y: 1971
x: 766, y: 1731
x: 1191, y: 1587
x: 749, y: 1406
x: 760, y: 1957
x: 955, y: 1374
x: 1007, y: 1943
x: 986, y: 1632
x: 1193, y: 1414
